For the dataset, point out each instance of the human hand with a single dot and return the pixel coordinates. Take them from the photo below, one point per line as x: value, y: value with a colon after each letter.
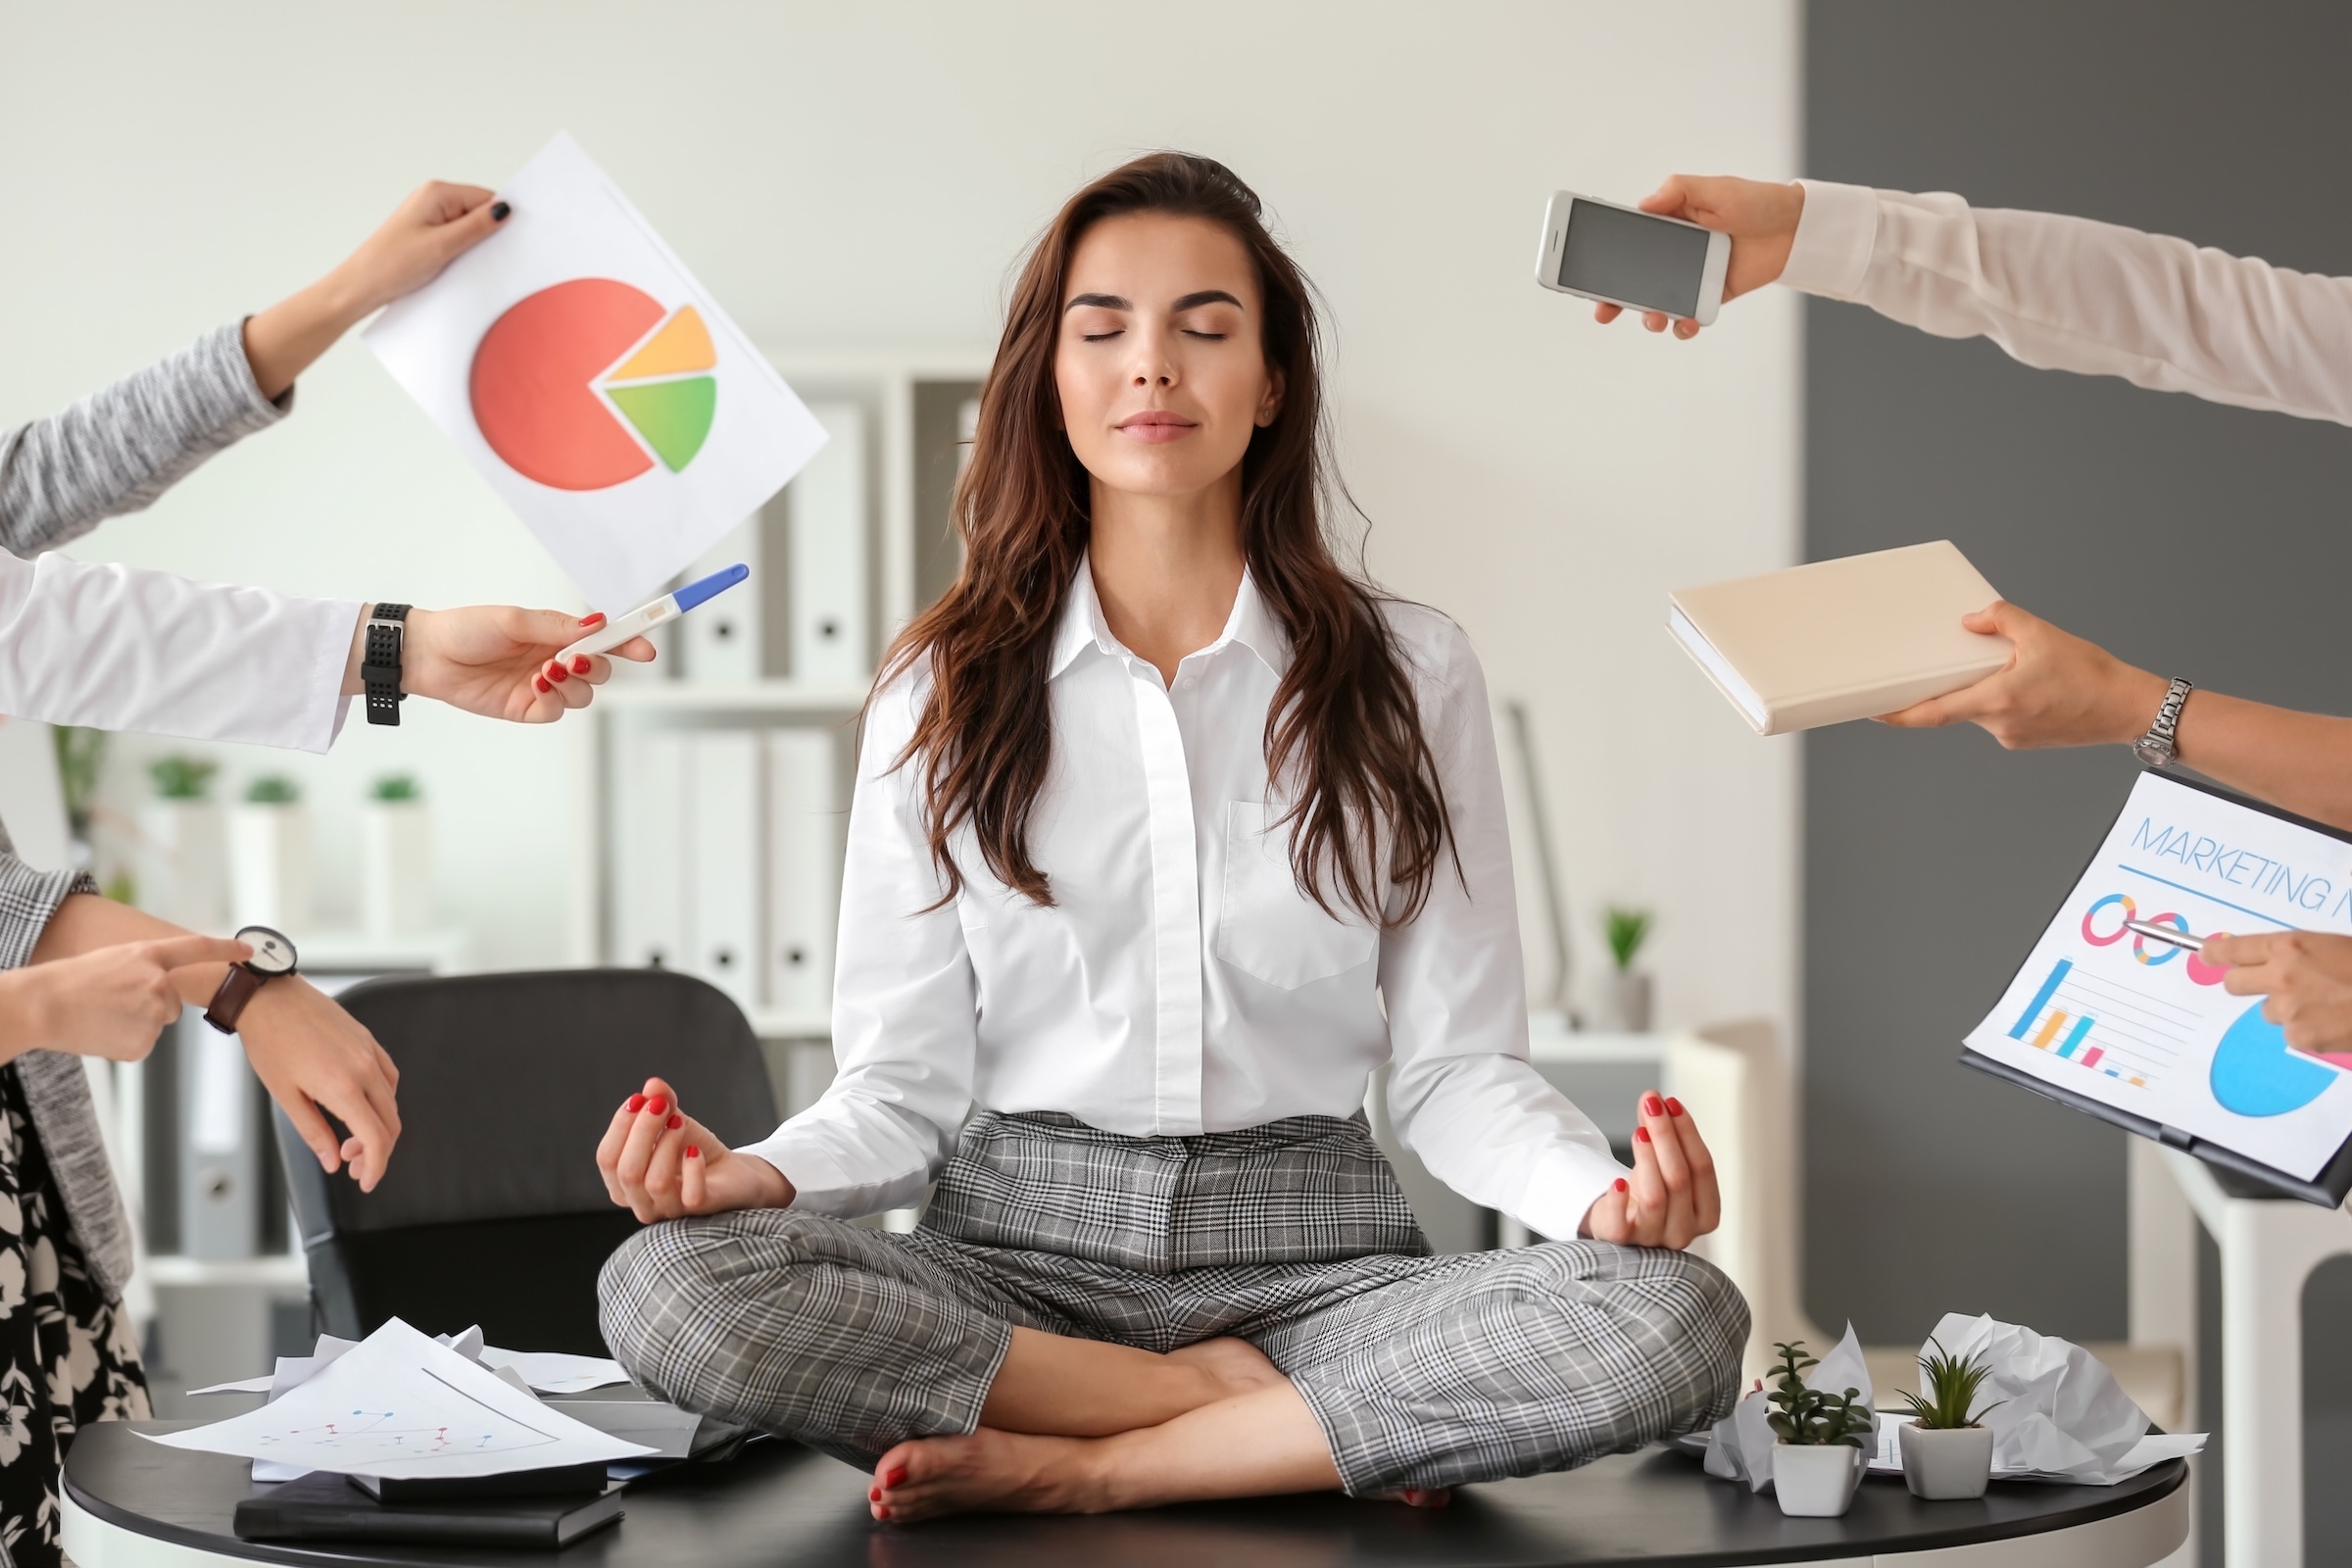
x: 109, y: 1002
x: 498, y: 660
x: 314, y: 1057
x: 660, y: 1164
x: 1672, y: 1198
x: 2308, y: 977
x: 2056, y: 690
x: 433, y: 226
x: 1759, y: 215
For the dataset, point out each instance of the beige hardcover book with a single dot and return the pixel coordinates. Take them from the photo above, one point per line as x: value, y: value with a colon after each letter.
x: 1835, y: 640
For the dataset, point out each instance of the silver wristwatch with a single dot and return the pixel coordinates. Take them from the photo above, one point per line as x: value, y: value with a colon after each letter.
x: 2157, y: 747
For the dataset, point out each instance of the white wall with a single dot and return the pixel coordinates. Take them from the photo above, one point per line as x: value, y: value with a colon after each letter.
x: 847, y: 177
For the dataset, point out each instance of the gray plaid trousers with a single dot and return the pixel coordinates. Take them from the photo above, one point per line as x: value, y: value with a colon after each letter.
x: 1423, y: 1371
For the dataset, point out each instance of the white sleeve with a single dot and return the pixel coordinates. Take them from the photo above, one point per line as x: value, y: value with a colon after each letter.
x: 1461, y: 1092
x: 118, y: 648
x: 905, y: 1020
x: 2070, y: 294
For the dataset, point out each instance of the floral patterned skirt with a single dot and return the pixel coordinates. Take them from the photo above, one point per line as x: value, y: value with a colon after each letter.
x: 67, y: 1355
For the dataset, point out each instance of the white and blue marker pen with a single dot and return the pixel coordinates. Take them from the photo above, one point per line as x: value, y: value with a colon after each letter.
x: 670, y: 606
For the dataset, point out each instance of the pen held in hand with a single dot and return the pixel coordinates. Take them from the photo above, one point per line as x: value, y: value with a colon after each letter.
x: 2173, y: 936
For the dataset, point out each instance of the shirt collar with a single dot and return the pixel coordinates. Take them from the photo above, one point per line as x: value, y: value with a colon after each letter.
x: 1251, y: 623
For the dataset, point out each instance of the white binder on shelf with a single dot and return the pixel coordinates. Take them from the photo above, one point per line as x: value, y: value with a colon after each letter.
x: 651, y: 860
x: 805, y: 823
x: 831, y: 639
x: 722, y: 830
x: 720, y: 642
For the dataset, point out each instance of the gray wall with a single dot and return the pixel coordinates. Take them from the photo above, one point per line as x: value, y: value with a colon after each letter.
x: 2198, y: 540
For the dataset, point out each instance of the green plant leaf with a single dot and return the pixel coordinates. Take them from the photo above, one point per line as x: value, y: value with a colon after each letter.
x: 1626, y: 930
x: 273, y: 789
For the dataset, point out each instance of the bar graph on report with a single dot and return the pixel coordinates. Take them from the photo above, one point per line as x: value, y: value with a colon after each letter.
x: 2104, y: 1028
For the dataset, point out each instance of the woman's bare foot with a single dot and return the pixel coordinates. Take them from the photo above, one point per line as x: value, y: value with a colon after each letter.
x: 1233, y: 1362
x: 1006, y: 1472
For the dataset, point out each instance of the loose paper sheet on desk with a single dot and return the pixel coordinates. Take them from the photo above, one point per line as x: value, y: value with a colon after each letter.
x: 602, y: 393
x: 400, y: 1405
x: 2056, y: 1412
x: 2146, y: 1027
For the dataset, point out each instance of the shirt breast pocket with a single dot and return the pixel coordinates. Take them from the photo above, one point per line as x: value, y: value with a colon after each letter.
x: 1267, y: 928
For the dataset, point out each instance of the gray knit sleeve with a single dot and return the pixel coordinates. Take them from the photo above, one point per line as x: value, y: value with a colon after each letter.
x: 56, y: 1089
x: 121, y: 447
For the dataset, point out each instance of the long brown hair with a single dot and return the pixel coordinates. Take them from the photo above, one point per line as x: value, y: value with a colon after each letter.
x: 1344, y: 736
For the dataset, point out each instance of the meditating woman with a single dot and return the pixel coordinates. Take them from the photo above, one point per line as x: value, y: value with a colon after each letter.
x: 1169, y: 832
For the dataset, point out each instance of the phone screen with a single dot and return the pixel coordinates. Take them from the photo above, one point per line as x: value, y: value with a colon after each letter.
x: 1634, y: 257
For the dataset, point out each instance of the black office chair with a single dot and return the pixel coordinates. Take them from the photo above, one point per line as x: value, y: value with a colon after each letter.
x: 492, y: 1211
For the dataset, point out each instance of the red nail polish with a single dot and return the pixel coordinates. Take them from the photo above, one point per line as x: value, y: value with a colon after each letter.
x: 692, y: 1151
x: 676, y: 1121
x: 895, y: 1478
x: 1621, y: 1187
x: 1674, y: 1108
x: 1650, y: 1107
x: 540, y: 681
x: 557, y: 672
x: 1641, y: 1135
x: 881, y: 1510
x: 873, y: 1494
x: 659, y: 1105
x: 579, y: 664
x: 633, y: 1105
x: 595, y: 617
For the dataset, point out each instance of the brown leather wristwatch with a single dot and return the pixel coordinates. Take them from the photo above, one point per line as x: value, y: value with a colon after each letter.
x: 272, y: 956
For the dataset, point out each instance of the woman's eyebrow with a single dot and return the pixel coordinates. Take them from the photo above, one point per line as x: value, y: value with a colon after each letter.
x: 1190, y: 302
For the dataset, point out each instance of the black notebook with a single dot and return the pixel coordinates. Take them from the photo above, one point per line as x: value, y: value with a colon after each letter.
x: 324, y: 1506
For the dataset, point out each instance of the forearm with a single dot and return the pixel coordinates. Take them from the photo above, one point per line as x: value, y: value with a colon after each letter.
x: 2301, y: 761
x: 287, y: 339
x: 86, y: 923
x: 118, y: 448
x: 2068, y: 293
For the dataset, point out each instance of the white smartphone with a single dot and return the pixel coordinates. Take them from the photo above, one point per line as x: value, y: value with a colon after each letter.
x: 1620, y: 256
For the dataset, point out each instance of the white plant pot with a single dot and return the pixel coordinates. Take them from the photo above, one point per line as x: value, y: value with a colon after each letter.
x: 1953, y: 1462
x: 1815, y: 1481
x: 183, y: 863
x: 397, y: 866
x: 1630, y: 1001
x: 270, y: 867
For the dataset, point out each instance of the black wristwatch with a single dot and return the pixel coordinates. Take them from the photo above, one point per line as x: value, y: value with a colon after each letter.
x: 379, y: 663
x: 272, y: 956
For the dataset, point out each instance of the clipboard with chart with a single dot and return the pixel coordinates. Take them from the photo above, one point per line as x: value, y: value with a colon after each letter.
x: 2143, y: 1033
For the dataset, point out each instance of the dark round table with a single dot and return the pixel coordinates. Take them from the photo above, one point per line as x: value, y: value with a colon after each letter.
x: 131, y: 1503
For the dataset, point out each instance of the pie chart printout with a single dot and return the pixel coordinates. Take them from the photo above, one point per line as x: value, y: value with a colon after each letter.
x: 553, y: 403
x: 2255, y: 1073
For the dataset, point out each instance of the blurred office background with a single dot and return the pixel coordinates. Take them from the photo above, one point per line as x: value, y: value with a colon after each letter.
x: 855, y: 183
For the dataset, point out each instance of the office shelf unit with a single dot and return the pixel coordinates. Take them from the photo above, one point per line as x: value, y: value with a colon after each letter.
x: 910, y: 414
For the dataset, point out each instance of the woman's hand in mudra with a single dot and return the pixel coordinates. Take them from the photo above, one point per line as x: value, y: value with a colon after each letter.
x: 1671, y: 1200
x: 660, y: 1164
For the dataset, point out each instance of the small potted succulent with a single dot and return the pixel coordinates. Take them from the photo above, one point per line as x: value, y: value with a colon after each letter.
x: 184, y: 871
x: 269, y: 857
x: 1824, y: 1438
x: 396, y: 842
x: 1946, y: 1453
x: 1630, y: 991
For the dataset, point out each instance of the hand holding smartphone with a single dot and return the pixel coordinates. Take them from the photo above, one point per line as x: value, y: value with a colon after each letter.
x: 1622, y: 256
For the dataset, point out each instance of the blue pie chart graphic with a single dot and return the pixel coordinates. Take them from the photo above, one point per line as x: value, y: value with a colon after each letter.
x: 2256, y: 1074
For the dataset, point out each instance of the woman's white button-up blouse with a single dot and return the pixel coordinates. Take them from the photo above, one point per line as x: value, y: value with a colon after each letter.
x: 1181, y: 982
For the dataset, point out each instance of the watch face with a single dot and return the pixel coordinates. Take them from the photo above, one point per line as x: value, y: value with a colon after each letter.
x: 273, y: 952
